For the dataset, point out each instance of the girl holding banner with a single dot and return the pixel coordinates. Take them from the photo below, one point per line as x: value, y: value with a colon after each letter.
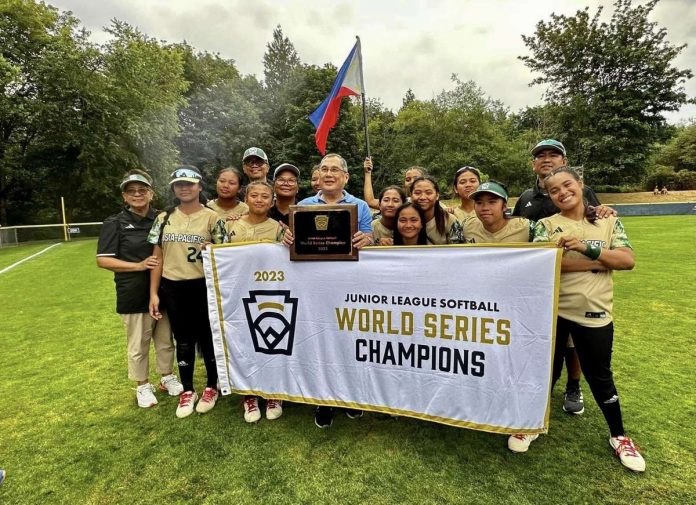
x: 410, y: 225
x: 490, y: 224
x: 441, y: 226
x: 257, y: 226
x: 390, y: 199
x: 593, y: 249
x: 178, y: 236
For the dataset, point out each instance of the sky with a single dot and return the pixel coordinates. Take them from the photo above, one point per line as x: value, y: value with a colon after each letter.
x: 405, y: 44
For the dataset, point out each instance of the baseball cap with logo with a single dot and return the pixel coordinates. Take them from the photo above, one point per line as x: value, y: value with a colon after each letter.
x: 134, y: 178
x: 286, y: 166
x: 186, y: 174
x: 490, y: 187
x: 549, y: 144
x: 255, y: 151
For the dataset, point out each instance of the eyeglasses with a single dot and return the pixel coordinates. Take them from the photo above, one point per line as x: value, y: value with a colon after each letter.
x: 137, y: 191
x: 256, y: 162
x: 331, y: 170
x: 290, y: 181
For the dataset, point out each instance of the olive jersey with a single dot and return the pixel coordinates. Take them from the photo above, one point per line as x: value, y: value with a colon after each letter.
x: 238, y: 210
x: 516, y: 229
x: 181, y: 239
x: 463, y: 215
x: 380, y: 231
x: 585, y: 298
x: 242, y: 231
x: 454, y: 233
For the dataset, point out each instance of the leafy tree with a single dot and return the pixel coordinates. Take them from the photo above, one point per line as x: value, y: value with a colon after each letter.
x: 680, y: 152
x: 612, y: 82
x: 279, y: 61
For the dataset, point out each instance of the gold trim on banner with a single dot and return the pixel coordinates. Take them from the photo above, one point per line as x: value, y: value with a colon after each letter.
x: 398, y: 412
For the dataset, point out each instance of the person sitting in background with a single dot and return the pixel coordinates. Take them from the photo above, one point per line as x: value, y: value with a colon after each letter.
x: 664, y: 191
x: 656, y: 191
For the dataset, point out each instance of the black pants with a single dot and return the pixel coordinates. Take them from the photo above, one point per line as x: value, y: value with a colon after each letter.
x: 187, y: 306
x: 594, y: 348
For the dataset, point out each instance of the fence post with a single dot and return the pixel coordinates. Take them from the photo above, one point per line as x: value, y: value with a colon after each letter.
x: 65, y: 222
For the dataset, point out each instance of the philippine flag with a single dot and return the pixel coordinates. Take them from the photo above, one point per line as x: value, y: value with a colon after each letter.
x: 349, y: 82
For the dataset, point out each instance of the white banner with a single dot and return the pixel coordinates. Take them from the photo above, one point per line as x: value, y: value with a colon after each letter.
x: 461, y: 335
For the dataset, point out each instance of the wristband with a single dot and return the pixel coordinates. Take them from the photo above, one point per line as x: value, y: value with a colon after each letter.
x: 592, y: 251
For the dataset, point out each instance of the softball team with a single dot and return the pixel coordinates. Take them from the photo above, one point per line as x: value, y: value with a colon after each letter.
x: 178, y: 235
x: 593, y: 248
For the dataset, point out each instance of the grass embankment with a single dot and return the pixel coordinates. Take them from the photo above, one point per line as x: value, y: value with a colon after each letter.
x: 72, y: 433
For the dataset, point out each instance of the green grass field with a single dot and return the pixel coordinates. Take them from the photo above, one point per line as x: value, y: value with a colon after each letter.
x: 70, y: 431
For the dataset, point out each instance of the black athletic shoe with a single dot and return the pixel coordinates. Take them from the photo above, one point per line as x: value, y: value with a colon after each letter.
x: 323, y: 417
x: 354, y: 413
x: 573, y: 402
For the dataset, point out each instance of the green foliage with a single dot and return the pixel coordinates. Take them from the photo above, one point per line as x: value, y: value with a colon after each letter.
x: 611, y: 82
x: 666, y: 176
x: 680, y: 152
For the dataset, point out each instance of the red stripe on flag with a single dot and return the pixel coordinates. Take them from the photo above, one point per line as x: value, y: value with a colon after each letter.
x: 330, y: 118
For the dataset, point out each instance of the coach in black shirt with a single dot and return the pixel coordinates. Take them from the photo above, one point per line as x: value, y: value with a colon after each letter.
x: 123, y: 249
x: 534, y: 203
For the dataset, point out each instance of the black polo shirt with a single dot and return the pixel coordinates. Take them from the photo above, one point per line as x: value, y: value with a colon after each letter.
x: 274, y: 213
x: 535, y: 204
x: 124, y: 236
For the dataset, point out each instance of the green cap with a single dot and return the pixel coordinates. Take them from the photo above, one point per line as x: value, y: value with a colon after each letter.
x: 490, y: 187
x: 255, y: 151
x: 549, y: 144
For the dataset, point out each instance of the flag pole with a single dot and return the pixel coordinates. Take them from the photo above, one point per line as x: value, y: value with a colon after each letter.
x: 364, y: 103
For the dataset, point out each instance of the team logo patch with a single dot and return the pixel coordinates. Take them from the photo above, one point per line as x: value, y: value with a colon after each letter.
x: 321, y: 222
x: 271, y: 318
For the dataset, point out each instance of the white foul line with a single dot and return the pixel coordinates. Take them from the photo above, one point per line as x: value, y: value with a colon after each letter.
x: 28, y: 258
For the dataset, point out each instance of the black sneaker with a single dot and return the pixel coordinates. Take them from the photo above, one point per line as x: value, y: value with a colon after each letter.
x: 323, y: 417
x: 354, y: 413
x: 573, y: 402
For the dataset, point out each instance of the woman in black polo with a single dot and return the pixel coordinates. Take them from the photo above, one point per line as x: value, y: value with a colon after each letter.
x: 124, y: 250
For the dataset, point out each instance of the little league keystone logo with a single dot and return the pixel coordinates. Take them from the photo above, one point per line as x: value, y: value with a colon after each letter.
x: 271, y: 318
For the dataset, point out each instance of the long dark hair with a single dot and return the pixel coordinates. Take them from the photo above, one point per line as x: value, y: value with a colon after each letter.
x: 168, y: 211
x: 440, y: 213
x: 422, y: 236
x: 590, y: 211
x: 399, y: 190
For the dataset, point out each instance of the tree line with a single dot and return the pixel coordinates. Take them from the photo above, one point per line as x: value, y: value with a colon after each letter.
x: 75, y: 115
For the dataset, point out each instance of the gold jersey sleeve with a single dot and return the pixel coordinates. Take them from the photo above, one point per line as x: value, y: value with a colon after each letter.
x: 516, y: 229
x: 463, y: 215
x: 380, y: 231
x: 242, y: 231
x: 183, y: 236
x: 239, y: 210
x: 454, y: 233
x: 585, y: 297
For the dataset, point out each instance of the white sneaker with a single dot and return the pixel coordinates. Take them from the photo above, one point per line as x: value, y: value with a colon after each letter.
x: 274, y: 409
x: 146, y: 396
x: 627, y: 452
x: 520, y: 442
x: 186, y: 401
x: 171, y: 385
x: 251, y: 409
x: 208, y: 399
